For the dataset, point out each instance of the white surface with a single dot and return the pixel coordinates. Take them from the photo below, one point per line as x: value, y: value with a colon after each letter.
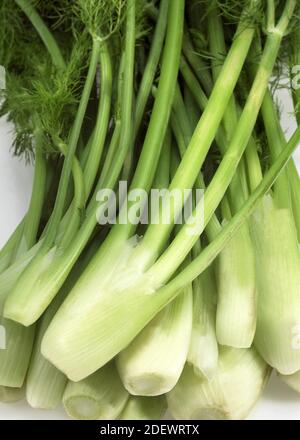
x: 278, y: 401
x: 15, y: 185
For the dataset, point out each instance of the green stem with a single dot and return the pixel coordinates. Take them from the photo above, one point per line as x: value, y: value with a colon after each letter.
x: 43, y: 32
x: 294, y: 180
x: 200, y: 68
x: 275, y: 141
x: 33, y: 217
x: 183, y: 137
x: 270, y: 14
x: 254, y: 170
x: 45, y: 384
x: 72, y: 144
x: 146, y: 167
x: 152, y: 63
x: 162, y: 176
x: 191, y: 107
x: 286, y: 16
x: 218, y: 50
x: 125, y: 99
x: 113, y: 162
x: 95, y: 145
x: 71, y: 221
x: 222, y: 136
x: 193, y: 84
x: 111, y: 154
x: 99, y: 135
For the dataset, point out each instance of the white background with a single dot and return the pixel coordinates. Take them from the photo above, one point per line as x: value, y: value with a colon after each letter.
x: 277, y: 402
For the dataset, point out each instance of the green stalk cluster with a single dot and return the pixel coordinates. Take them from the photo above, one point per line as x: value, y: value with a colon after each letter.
x: 126, y: 319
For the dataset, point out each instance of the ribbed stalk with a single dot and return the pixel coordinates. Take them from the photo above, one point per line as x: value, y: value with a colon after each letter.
x: 287, y: 186
x: 294, y: 180
x: 34, y: 213
x: 14, y: 359
x: 147, y: 366
x: 73, y: 216
x: 236, y: 310
x: 152, y: 364
x: 203, y: 352
x: 278, y: 280
x: 218, y: 50
x: 144, y: 408
x: 230, y: 394
x: 200, y: 98
x: 276, y: 139
x: 102, y: 121
x: 45, y: 384
x: 33, y: 217
x: 100, y: 396
x: 57, y: 213
x: 9, y: 277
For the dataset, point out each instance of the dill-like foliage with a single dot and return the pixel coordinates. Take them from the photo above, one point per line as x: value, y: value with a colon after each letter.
x: 101, y: 17
x: 247, y: 11
x: 39, y: 96
x: 15, y: 32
